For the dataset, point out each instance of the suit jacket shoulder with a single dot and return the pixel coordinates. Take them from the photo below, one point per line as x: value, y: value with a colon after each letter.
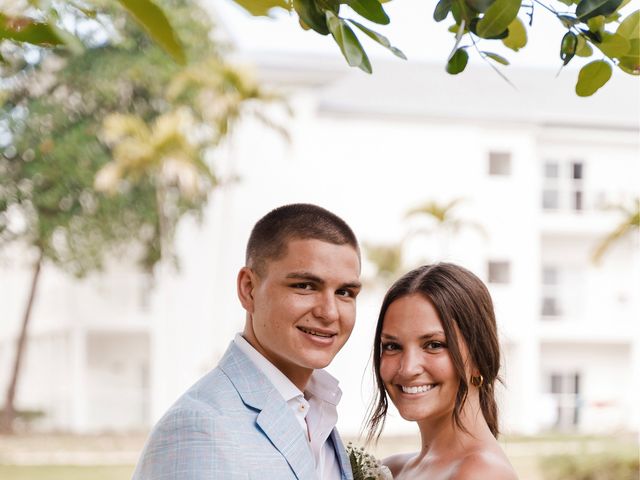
x: 232, y: 424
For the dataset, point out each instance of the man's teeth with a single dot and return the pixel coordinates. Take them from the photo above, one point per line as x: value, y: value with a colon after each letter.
x: 317, y: 334
x: 418, y: 389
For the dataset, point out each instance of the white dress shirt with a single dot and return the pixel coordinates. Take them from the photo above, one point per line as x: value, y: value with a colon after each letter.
x: 315, y: 409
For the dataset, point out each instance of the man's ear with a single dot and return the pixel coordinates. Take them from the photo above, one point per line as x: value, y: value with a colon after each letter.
x: 245, y: 285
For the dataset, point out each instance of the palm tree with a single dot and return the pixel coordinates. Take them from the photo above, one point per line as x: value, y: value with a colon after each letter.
x: 444, y: 219
x: 629, y: 225
x: 387, y: 259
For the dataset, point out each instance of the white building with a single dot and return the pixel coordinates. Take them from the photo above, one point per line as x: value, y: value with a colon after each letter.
x: 534, y: 166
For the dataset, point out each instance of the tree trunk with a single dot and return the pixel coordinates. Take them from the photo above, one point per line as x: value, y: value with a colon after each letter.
x: 9, y: 413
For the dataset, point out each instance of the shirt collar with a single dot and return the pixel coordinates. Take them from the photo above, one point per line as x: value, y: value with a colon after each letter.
x: 321, y: 385
x: 283, y: 385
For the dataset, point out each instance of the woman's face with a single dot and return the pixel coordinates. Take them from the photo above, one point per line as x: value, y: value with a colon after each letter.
x: 415, y: 363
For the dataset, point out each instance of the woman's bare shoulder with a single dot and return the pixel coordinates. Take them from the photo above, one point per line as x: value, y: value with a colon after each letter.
x: 396, y: 462
x: 483, y: 464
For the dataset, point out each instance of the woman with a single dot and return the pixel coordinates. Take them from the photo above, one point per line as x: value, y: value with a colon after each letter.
x: 436, y: 356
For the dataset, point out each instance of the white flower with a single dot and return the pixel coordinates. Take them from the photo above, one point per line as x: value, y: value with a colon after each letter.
x: 365, y: 466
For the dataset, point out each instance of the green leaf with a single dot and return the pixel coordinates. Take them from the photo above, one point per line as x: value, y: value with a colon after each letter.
x: 630, y: 26
x: 473, y: 26
x: 583, y: 49
x: 592, y: 76
x: 587, y: 9
x: 596, y: 24
x: 153, y: 20
x: 568, y: 21
x: 496, y: 58
x: 442, y: 10
x: 479, y: 5
x: 517, y: 37
x: 595, y: 37
x: 259, y: 8
x: 27, y: 30
x: 498, y: 17
x: 311, y: 16
x: 461, y: 11
x: 630, y: 63
x: 568, y: 47
x: 348, y: 42
x: 370, y: 9
x: 613, y: 45
x: 458, y: 61
x: 381, y: 39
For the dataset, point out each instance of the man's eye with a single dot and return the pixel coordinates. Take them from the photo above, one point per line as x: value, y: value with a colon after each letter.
x: 303, y: 286
x: 345, y: 293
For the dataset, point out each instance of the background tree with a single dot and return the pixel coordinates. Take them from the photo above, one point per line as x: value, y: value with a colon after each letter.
x: 30, y: 22
x: 443, y: 222
x: 121, y: 103
x: 630, y: 225
x: 591, y: 25
x: 387, y: 260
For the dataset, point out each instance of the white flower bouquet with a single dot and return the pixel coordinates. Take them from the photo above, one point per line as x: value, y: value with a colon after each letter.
x: 365, y: 466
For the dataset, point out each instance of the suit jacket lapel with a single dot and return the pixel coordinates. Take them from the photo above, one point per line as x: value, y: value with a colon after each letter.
x: 280, y: 425
x: 276, y: 419
x: 343, y: 458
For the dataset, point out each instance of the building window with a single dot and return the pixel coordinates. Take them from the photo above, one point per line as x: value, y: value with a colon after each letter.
x: 577, y: 172
x: 563, y: 186
x: 551, y: 170
x: 550, y: 305
x: 500, y: 163
x: 499, y: 272
x: 564, y: 388
x: 550, y: 199
x: 551, y: 191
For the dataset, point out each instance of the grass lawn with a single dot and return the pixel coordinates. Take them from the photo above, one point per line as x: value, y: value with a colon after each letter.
x: 117, y: 472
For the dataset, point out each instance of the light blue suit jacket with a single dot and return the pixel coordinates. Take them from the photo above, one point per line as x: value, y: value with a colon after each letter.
x: 232, y: 424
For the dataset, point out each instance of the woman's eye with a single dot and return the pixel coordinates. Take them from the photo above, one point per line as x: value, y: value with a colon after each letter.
x: 434, y: 345
x: 390, y: 347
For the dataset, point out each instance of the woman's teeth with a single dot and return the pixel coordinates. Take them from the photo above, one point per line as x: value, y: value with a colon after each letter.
x: 418, y: 389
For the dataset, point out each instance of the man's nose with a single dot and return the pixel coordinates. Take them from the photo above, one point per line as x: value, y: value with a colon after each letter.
x: 327, y: 308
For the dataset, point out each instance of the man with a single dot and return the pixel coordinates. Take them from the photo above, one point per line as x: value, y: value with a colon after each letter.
x: 268, y: 411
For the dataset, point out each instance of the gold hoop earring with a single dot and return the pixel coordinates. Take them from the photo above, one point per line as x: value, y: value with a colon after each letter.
x: 477, y: 381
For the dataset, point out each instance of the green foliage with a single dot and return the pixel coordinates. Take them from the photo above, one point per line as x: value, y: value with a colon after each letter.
x: 386, y: 258
x: 153, y: 20
x: 55, y: 121
x: 458, y: 61
x: 28, y: 30
x: 629, y: 225
x: 323, y: 16
x: 588, y: 23
x: 591, y: 467
x: 568, y: 47
x: 31, y: 29
x: 498, y: 17
x: 587, y: 9
x: 592, y: 76
x: 517, y: 36
x: 348, y: 42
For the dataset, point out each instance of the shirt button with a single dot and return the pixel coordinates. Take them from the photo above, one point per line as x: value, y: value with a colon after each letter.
x: 302, y: 407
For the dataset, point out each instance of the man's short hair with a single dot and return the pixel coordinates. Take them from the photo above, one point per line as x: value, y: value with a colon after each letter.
x: 298, y: 221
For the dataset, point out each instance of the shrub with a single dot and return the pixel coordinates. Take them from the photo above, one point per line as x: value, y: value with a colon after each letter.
x: 591, y: 467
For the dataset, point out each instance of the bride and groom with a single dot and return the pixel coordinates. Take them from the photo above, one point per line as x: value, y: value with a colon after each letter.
x: 269, y: 411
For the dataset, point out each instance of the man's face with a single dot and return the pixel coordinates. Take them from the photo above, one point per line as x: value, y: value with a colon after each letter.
x: 302, y: 308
